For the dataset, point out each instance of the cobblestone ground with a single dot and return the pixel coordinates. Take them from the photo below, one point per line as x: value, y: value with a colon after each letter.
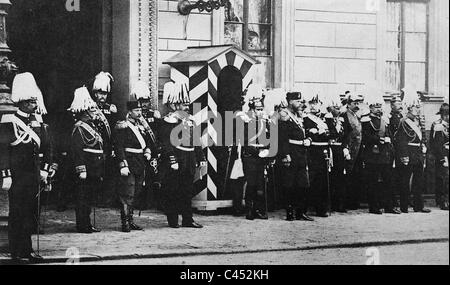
x: 231, y: 234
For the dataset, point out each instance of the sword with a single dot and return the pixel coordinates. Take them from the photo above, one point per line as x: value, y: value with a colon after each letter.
x: 328, y: 159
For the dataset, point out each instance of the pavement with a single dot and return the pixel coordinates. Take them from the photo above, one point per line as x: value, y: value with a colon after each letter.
x: 231, y: 235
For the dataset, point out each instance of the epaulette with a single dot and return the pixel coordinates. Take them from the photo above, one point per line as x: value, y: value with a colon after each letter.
x: 171, y: 119
x: 328, y: 116
x: 284, y: 116
x: 438, y: 127
x: 341, y: 119
x: 120, y: 125
x: 365, y: 119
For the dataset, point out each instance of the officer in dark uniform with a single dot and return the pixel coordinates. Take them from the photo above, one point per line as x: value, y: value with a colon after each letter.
x: 377, y: 155
x: 293, y: 145
x: 88, y: 157
x: 335, y: 123
x: 254, y: 158
x: 23, y: 171
x: 395, y: 118
x: 133, y: 150
x: 106, y: 120
x: 439, y: 147
x: 318, y: 154
x: 152, y: 193
x: 353, y: 139
x: 180, y: 159
x: 410, y: 151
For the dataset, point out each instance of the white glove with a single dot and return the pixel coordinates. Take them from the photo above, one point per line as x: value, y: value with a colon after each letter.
x: 83, y: 175
x: 445, y: 164
x: 382, y: 140
x: 307, y: 142
x: 405, y: 160
x: 347, y: 154
x: 113, y: 108
x: 175, y: 166
x: 52, y: 173
x: 387, y: 140
x: 148, y: 156
x: 7, y: 182
x: 125, y: 171
x: 157, y: 115
x: 44, y: 176
x: 424, y: 149
x: 287, y: 161
x: 314, y: 131
x: 264, y: 153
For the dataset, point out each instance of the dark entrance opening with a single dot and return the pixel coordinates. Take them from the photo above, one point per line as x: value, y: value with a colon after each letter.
x: 229, y: 95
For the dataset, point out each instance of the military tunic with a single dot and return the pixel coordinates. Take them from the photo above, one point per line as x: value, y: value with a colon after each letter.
x: 439, y: 142
x: 178, y: 184
x: 317, y: 130
x: 295, y: 178
x: 88, y: 157
x: 378, y: 156
x: 20, y: 146
x: 338, y: 172
x: 410, y: 144
x: 132, y: 142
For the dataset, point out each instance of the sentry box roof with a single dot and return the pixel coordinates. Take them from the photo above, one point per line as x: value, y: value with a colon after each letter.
x: 206, y: 54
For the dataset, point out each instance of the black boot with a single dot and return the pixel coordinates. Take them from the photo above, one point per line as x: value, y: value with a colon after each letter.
x: 133, y: 226
x: 250, y: 211
x: 124, y: 219
x: 261, y: 215
x: 290, y: 214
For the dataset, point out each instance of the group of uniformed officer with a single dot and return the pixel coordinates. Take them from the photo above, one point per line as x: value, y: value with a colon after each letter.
x: 323, y: 149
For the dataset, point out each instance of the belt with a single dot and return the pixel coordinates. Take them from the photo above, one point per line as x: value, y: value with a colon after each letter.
x: 336, y: 144
x: 415, y: 144
x: 257, y: 145
x: 95, y: 151
x: 320, y: 144
x: 134, y: 150
x: 189, y: 149
x: 295, y: 142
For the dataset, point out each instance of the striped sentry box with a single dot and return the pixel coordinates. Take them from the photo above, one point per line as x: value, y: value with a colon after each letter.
x: 200, y: 69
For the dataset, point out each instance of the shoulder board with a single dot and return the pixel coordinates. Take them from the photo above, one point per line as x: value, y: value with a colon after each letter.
x: 365, y: 119
x: 328, y: 116
x: 120, y: 125
x: 342, y: 119
x: 7, y: 118
x: 438, y: 127
x: 170, y: 119
x: 284, y: 116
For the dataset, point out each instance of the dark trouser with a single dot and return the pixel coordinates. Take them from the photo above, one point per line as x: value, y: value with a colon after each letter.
x: 319, y: 182
x: 295, y: 183
x: 379, y: 186
x: 254, y: 174
x: 130, y: 187
x: 86, y: 191
x: 21, y: 215
x: 441, y: 185
x: 395, y: 185
x: 338, y: 187
x: 106, y: 192
x: 177, y: 191
x: 355, y: 184
x: 417, y: 186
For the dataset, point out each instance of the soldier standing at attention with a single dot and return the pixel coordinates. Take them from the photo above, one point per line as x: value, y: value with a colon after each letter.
x: 22, y: 169
x: 395, y: 118
x: 181, y: 155
x: 293, y: 145
x: 411, y: 151
x: 88, y: 157
x: 377, y: 155
x: 106, y: 120
x: 318, y: 131
x: 254, y: 157
x: 335, y: 123
x: 353, y: 139
x: 439, y: 147
x: 132, y: 148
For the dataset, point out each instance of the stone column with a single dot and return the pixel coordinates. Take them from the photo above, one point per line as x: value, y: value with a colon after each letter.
x: 7, y: 68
